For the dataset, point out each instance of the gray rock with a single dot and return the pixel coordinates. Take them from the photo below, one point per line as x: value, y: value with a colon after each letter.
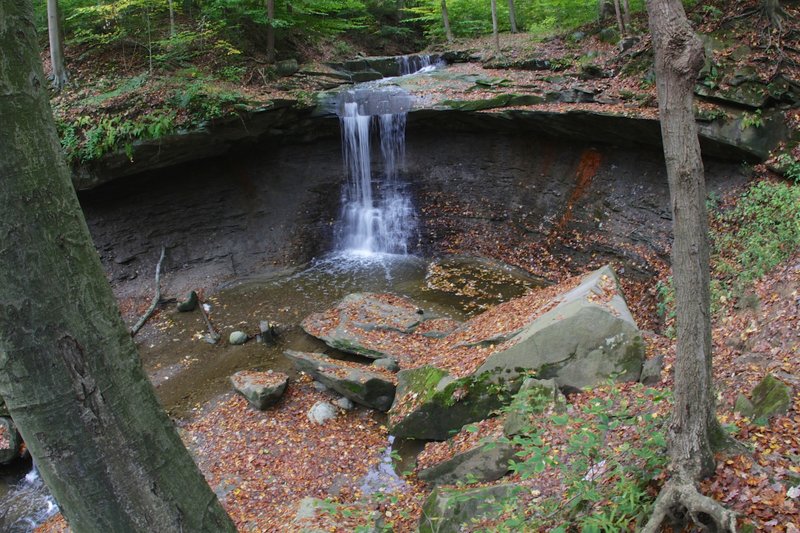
x: 485, y: 462
x: 189, y: 304
x: 608, y: 35
x: 431, y: 405
x: 587, y: 338
x: 534, y: 396
x: 261, y: 389
x: 627, y: 43
x: 446, y: 509
x: 319, y: 386
x: 771, y: 397
x: 10, y: 441
x: 268, y: 332
x: 743, y: 406
x: 361, y: 386
x: 577, y: 36
x: 344, y: 403
x: 321, y: 412
x: 237, y: 337
x: 387, y: 363
x: 651, y: 370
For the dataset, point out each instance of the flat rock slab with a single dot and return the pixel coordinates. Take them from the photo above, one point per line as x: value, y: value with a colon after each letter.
x: 485, y: 462
x: 261, y: 389
x: 361, y: 385
x: 369, y: 324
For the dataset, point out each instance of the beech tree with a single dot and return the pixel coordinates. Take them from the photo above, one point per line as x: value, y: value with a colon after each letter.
x: 270, y: 4
x: 693, y: 429
x: 512, y: 16
x: 495, y: 30
x: 56, y: 40
x: 446, y: 21
x: 69, y: 371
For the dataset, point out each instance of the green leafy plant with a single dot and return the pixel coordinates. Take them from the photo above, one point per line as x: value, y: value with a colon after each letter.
x: 754, y: 120
x: 791, y: 167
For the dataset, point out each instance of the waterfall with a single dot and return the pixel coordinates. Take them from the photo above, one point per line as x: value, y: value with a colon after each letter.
x: 377, y: 214
x: 416, y: 63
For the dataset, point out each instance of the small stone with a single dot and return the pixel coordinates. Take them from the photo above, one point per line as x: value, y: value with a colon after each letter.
x: 287, y: 67
x: 344, y: 403
x: 387, y: 363
x: 651, y: 370
x: 321, y: 412
x: 237, y: 337
x: 268, y: 333
x: 189, y: 304
x: 261, y: 389
x: 319, y: 386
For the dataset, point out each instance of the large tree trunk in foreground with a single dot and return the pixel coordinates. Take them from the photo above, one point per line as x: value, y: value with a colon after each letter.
x: 693, y: 426
x: 69, y: 371
x: 446, y: 21
x: 59, y: 70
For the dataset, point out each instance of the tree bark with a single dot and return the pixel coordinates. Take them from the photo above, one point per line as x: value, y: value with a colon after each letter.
x: 270, y: 30
x: 446, y: 22
x: 495, y: 30
x: 512, y: 16
x: 69, y: 371
x: 693, y: 426
x: 171, y: 19
x: 620, y: 23
x: 626, y: 15
x: 59, y: 70
x: 773, y: 12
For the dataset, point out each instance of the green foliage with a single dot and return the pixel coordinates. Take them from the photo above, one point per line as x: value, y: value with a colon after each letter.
x: 605, y: 487
x: 760, y: 231
x: 206, y: 101
x: 751, y: 119
x: 86, y: 139
x: 791, y: 167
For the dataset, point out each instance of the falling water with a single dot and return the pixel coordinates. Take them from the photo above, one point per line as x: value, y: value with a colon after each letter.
x: 377, y: 213
x: 26, y: 505
x: 416, y: 63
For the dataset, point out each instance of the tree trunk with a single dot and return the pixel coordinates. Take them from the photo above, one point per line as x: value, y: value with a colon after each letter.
x: 171, y: 19
x: 512, y: 16
x: 773, y: 12
x: 679, y: 56
x: 446, y: 21
x: 620, y: 24
x: 626, y: 15
x: 270, y: 31
x: 495, y: 30
x: 604, y: 9
x: 59, y: 71
x: 69, y: 371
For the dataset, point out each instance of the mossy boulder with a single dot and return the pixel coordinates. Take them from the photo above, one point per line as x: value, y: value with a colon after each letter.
x: 447, y: 509
x: 770, y: 397
x: 372, y: 389
x: 432, y: 405
x: 588, y: 337
x: 486, y: 462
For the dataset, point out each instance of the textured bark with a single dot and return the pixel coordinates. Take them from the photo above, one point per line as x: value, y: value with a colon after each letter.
x: 446, y: 21
x: 620, y: 23
x: 626, y: 15
x: 679, y: 56
x: 773, y: 12
x: 495, y: 30
x: 171, y: 19
x: 270, y: 30
x: 69, y: 371
x: 512, y: 16
x: 59, y: 70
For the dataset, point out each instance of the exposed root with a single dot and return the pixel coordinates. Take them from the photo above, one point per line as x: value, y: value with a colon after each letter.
x: 680, y: 503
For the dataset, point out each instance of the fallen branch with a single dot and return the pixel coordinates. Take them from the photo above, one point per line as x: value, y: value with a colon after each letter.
x: 212, y: 333
x: 156, y: 297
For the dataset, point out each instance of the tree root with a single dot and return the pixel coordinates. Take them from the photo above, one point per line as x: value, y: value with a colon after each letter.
x: 679, y: 502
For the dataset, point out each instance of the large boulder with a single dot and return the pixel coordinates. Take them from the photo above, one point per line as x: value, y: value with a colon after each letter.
x: 261, y: 389
x: 486, y: 462
x: 534, y: 397
x: 448, y: 509
x: 586, y: 338
x: 432, y: 405
x: 369, y: 388
x: 367, y: 324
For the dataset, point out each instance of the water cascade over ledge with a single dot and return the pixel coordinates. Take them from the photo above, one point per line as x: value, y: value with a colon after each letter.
x: 377, y: 213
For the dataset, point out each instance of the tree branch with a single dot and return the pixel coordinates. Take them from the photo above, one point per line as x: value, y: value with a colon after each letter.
x: 156, y: 297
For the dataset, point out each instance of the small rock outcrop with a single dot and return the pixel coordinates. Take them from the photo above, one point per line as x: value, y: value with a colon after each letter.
x: 485, y: 462
x: 447, y: 509
x: 361, y: 385
x: 431, y: 405
x: 770, y: 397
x: 262, y: 389
x: 534, y: 396
x: 321, y: 412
